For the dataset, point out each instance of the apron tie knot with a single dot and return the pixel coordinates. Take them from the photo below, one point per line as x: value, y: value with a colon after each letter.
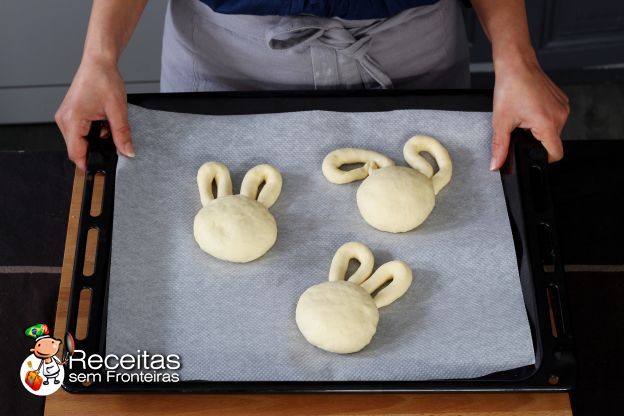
x: 325, y: 38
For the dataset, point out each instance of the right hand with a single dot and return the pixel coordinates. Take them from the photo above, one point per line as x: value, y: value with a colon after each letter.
x: 96, y: 93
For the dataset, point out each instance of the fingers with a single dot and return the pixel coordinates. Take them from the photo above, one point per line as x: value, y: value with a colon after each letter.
x: 96, y: 93
x: 74, y: 132
x: 503, y: 127
x: 117, y: 115
x: 552, y: 143
x: 547, y: 130
x: 525, y: 97
x: 77, y: 149
x: 104, y: 131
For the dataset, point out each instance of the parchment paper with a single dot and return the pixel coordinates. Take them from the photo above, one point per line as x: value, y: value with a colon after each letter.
x: 463, y: 316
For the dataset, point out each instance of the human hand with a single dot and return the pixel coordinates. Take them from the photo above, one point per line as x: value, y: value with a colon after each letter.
x: 525, y: 97
x: 97, y: 92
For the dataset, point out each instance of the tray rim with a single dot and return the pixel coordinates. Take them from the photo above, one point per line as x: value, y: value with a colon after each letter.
x: 559, y: 358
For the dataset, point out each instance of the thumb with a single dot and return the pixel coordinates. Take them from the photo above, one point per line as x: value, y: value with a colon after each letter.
x: 117, y: 115
x: 502, y: 128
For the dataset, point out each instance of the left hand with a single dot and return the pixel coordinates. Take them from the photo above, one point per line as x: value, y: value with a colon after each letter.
x: 525, y: 97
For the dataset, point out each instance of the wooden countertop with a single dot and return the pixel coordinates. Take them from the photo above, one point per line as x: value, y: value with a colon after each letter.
x: 63, y: 403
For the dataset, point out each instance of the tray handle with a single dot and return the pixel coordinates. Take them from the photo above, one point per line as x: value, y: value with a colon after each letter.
x: 547, y: 261
x: 102, y: 161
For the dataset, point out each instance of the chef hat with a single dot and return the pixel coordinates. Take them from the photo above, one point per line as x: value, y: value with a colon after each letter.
x: 38, y: 332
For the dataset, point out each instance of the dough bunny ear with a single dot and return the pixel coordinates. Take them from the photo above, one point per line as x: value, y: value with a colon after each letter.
x: 418, y: 144
x: 258, y: 175
x: 213, y: 172
x: 401, y: 276
x: 340, y: 263
x: 333, y: 161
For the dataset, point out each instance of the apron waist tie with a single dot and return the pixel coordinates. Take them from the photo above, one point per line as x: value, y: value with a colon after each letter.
x: 325, y: 38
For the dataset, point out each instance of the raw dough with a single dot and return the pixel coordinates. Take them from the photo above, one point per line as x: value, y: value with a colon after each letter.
x: 236, y: 228
x: 393, y: 198
x: 418, y: 144
x: 384, y: 203
x: 338, y: 317
x: 333, y: 161
x: 341, y: 316
x: 347, y: 252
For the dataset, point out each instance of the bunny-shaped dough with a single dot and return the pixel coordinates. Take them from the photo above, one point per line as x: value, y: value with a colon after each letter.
x: 237, y: 228
x: 341, y: 315
x: 393, y: 198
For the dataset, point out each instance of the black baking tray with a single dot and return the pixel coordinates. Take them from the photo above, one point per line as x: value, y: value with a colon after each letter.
x: 528, y: 199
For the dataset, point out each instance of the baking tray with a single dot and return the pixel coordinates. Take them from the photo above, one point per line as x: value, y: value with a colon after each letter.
x: 528, y: 200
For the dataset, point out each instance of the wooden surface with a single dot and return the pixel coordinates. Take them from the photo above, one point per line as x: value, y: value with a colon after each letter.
x: 63, y: 403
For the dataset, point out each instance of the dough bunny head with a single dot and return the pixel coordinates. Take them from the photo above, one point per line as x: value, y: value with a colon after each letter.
x: 236, y: 228
x: 341, y: 315
x: 393, y: 198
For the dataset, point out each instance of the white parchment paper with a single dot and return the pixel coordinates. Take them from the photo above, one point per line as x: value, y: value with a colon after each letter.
x: 463, y: 316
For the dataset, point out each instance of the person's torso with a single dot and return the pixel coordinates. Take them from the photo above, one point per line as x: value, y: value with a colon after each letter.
x: 345, y: 9
x: 51, y: 367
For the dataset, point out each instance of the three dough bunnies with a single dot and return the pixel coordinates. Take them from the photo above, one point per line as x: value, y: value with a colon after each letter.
x: 340, y: 315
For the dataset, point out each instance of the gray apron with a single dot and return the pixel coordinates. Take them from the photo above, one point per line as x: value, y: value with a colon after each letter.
x: 421, y: 48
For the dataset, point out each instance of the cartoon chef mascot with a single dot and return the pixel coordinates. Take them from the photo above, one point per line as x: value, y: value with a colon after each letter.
x: 46, y: 347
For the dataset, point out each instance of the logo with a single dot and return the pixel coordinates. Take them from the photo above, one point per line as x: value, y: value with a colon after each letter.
x: 42, y: 372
